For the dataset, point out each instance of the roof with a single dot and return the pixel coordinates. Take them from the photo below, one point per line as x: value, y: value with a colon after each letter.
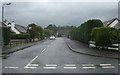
x: 20, y: 28
x: 117, y: 25
x: 109, y: 22
x: 3, y: 24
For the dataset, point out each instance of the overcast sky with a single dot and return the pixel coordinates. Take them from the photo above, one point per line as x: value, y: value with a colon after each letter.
x: 59, y: 13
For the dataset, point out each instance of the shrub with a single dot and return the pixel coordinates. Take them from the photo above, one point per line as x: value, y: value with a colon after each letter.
x: 105, y: 36
x: 59, y: 35
x: 101, y: 36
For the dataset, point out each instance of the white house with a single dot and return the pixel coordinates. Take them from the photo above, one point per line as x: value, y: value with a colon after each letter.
x: 112, y: 23
x: 15, y: 27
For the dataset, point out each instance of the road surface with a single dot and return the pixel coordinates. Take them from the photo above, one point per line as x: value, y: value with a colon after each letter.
x: 54, y: 56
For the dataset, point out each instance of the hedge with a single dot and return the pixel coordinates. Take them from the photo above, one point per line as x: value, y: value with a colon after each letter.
x: 83, y: 32
x: 20, y: 36
x: 105, y: 36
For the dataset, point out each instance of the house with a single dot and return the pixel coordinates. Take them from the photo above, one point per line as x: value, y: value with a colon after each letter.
x: 2, y: 25
x: 115, y: 23
x: 15, y: 27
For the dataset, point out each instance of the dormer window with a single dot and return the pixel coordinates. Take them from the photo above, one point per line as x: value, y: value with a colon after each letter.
x: 9, y: 23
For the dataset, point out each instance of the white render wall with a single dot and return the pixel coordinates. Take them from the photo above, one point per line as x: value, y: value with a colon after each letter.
x: 16, y: 31
x: 13, y: 28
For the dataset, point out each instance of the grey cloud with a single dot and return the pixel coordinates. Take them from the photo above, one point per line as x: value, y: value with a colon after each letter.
x: 59, y: 13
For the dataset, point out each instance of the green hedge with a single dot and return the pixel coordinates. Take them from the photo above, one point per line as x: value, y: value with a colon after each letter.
x: 83, y: 32
x: 20, y: 36
x: 105, y: 36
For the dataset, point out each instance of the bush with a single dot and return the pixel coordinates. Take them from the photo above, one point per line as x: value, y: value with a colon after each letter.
x: 105, y: 36
x: 20, y: 36
x: 6, y: 35
x: 101, y: 36
x: 59, y: 35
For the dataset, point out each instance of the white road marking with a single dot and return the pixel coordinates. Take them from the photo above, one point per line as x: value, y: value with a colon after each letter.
x: 88, y: 67
x: 30, y: 67
x: 43, y: 50
x: 33, y: 65
x: 29, y: 64
x: 87, y: 64
x: 105, y: 64
x: 108, y: 67
x: 70, y: 67
x: 11, y: 67
x: 49, y: 67
x: 119, y: 64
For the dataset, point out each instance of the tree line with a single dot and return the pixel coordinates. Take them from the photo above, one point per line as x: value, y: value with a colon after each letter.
x: 35, y: 31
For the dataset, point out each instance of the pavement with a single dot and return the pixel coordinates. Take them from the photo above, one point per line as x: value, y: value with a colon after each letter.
x: 54, y: 56
x: 9, y: 50
x: 85, y: 49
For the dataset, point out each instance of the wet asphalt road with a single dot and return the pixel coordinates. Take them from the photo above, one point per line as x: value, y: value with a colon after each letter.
x: 54, y: 56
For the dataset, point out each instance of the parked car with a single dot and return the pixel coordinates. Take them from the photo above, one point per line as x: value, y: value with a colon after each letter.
x: 52, y: 37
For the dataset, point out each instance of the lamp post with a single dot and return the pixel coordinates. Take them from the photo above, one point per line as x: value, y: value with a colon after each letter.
x: 3, y: 19
x: 3, y: 11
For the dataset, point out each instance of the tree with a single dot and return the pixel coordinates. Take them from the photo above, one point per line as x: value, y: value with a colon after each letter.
x: 35, y: 31
x: 47, y: 32
x: 6, y: 35
x: 52, y: 27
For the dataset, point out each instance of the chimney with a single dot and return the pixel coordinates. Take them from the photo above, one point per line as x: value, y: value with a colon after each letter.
x: 5, y: 22
x: 13, y: 25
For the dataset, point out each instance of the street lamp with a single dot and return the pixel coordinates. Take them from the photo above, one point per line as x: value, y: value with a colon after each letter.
x: 3, y: 16
x: 3, y: 11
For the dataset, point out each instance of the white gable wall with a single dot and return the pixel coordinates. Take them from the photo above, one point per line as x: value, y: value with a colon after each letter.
x: 113, y: 23
x: 13, y: 28
x: 16, y: 31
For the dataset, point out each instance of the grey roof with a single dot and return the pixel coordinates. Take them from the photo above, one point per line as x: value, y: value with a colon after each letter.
x: 117, y: 25
x: 20, y: 28
x: 3, y: 24
x: 107, y: 23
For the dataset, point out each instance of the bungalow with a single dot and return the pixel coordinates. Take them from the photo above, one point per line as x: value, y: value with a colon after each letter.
x: 15, y: 27
x: 1, y: 25
x: 112, y: 23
